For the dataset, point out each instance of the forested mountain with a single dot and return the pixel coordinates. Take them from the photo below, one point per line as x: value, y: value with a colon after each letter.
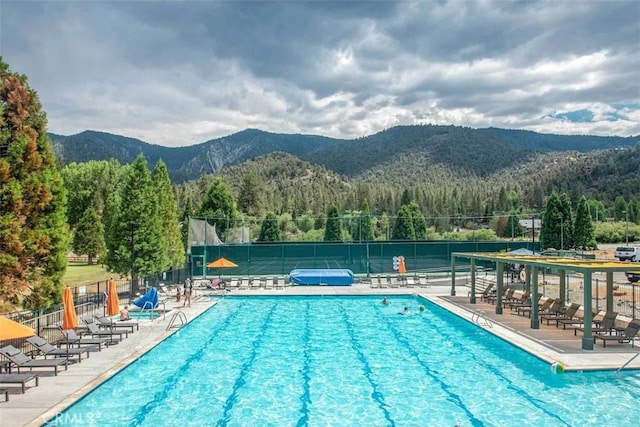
x: 189, y: 162
x: 460, y: 150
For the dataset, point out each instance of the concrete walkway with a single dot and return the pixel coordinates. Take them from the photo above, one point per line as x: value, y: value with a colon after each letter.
x: 43, y: 403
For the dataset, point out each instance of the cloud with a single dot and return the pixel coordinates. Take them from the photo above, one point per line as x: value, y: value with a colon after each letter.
x: 182, y: 72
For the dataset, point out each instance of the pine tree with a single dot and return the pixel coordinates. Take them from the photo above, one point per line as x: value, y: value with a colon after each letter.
x: 403, y: 228
x: 250, y: 198
x: 366, y: 222
x: 269, y: 232
x: 168, y: 212
x: 218, y: 206
x: 88, y: 238
x: 333, y: 229
x: 418, y: 221
x: 34, y: 237
x: 584, y: 230
x: 137, y: 220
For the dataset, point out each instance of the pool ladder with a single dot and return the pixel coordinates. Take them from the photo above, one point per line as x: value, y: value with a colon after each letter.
x: 628, y: 362
x: 178, y: 316
x: 148, y: 305
x: 479, y: 317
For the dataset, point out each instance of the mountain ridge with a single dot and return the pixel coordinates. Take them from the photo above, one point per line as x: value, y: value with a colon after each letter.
x: 481, y: 151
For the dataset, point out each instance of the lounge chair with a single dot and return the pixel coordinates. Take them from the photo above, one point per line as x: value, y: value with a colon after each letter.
x: 48, y: 349
x: 110, y: 323
x: 21, y: 379
x: 607, y: 325
x: 541, y: 307
x: 492, y: 298
x: 70, y: 337
x: 568, y: 315
x: 628, y: 335
x: 21, y: 360
x: 556, y: 309
x: 95, y: 331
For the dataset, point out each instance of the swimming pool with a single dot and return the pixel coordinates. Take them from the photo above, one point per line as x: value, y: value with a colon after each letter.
x: 348, y: 361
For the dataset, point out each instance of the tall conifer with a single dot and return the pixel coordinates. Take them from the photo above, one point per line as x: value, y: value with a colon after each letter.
x: 34, y: 237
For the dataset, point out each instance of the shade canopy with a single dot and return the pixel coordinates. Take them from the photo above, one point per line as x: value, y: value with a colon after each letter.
x: 222, y: 263
x: 10, y: 330
x: 69, y: 316
x: 113, y: 302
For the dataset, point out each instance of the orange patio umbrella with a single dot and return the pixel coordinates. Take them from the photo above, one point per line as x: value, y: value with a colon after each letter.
x: 10, y: 330
x: 402, y: 268
x: 69, y: 316
x: 113, y: 303
x: 222, y: 263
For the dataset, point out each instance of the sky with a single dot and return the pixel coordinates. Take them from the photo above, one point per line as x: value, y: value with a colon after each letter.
x: 178, y: 73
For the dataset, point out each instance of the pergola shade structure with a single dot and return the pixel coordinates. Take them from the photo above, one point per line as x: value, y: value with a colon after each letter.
x: 533, y: 265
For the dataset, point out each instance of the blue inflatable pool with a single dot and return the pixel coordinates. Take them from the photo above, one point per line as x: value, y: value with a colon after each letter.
x: 322, y: 276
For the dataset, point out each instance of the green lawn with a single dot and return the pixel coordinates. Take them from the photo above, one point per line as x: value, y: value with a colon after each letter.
x: 83, y: 274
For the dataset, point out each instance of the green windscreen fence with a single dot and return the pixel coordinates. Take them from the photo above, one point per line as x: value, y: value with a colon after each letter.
x: 361, y: 258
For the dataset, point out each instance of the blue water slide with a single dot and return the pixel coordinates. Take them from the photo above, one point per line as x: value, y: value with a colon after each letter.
x: 148, y: 300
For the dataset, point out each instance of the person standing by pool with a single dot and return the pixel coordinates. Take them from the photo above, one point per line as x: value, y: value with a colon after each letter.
x: 188, y: 288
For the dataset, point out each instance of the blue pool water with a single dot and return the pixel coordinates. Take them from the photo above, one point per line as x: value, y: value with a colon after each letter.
x: 348, y: 361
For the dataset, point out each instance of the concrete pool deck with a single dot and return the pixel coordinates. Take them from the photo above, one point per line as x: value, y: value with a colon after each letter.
x: 43, y: 403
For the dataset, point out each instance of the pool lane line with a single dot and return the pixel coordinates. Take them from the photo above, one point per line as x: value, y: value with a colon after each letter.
x: 305, y: 398
x: 240, y: 380
x: 497, y: 372
x: 452, y: 396
x: 366, y: 368
x: 160, y: 397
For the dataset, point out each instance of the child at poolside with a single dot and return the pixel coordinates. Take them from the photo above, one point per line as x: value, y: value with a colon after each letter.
x: 124, y: 313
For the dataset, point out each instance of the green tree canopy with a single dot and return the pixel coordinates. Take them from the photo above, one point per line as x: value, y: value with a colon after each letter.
x: 333, y: 229
x: 88, y: 237
x: 219, y: 206
x: 584, y: 230
x: 403, y: 228
x: 137, y: 219
x: 34, y: 237
x: 270, y: 232
x: 168, y: 213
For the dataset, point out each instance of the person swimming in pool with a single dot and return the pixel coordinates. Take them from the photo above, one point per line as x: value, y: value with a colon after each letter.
x: 405, y: 311
x: 385, y: 301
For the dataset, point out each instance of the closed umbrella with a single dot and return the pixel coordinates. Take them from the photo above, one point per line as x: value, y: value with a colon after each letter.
x: 402, y: 268
x: 10, y: 330
x: 69, y: 318
x: 113, y: 303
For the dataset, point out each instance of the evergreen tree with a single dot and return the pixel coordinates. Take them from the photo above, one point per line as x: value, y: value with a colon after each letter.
x: 366, y: 222
x: 34, y: 237
x: 403, y: 228
x: 250, y: 197
x: 218, y: 206
x: 566, y: 222
x: 513, y: 228
x: 549, y: 232
x: 88, y: 238
x: 418, y: 221
x: 333, y: 229
x: 270, y: 232
x: 137, y: 219
x: 584, y: 230
x: 168, y: 213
